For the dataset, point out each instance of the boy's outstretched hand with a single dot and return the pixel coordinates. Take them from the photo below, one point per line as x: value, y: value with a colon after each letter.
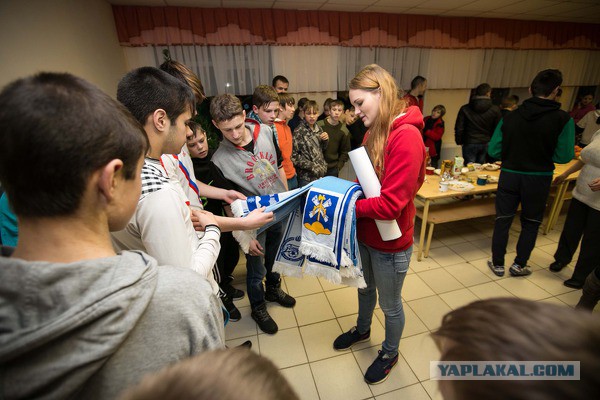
x: 201, y: 218
x: 231, y: 195
x: 257, y: 218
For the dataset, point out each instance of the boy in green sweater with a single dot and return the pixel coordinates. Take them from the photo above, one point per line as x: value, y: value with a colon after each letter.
x: 336, y: 153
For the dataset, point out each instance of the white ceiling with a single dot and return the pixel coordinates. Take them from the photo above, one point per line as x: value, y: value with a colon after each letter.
x: 538, y: 10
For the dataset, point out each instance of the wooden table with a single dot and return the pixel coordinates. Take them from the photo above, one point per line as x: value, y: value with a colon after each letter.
x: 561, y: 194
x: 460, y: 210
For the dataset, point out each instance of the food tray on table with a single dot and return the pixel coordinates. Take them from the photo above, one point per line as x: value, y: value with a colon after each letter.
x: 460, y: 186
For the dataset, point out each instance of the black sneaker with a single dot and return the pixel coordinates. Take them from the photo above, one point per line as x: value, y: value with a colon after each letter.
x: 274, y: 293
x: 573, y: 283
x: 246, y: 345
x: 380, y: 369
x: 498, y: 270
x: 264, y: 320
x: 235, y: 294
x: 556, y: 266
x: 234, y: 313
x: 346, y: 340
x: 517, y: 270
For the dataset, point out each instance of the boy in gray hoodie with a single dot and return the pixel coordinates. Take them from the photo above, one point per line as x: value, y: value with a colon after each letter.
x: 78, y: 320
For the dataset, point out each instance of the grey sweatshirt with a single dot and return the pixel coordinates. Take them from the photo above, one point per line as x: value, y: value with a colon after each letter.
x: 91, y: 329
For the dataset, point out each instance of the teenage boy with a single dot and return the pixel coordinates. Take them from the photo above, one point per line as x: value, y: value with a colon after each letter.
x: 280, y: 84
x: 284, y: 133
x: 355, y: 126
x: 338, y: 146
x: 247, y: 161
x: 529, y: 141
x: 265, y: 107
x: 298, y: 115
x: 414, y: 97
x: 162, y: 223
x: 197, y: 145
x: 78, y: 320
x: 309, y: 143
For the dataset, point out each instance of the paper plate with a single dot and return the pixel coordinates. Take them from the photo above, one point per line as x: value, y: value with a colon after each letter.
x: 459, y: 186
x: 491, y: 167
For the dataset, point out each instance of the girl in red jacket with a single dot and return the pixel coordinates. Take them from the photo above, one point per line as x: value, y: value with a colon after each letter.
x: 395, y: 147
x: 433, y: 132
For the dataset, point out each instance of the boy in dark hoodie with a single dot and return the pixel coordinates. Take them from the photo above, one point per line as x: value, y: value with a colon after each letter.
x: 529, y: 141
x: 475, y: 124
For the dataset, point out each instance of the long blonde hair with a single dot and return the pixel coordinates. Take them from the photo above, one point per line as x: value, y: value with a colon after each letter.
x: 372, y: 78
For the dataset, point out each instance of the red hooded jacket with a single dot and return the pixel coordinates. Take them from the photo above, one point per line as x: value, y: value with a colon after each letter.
x: 403, y: 175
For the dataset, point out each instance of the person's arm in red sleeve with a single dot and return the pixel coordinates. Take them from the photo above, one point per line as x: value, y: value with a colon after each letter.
x: 403, y: 177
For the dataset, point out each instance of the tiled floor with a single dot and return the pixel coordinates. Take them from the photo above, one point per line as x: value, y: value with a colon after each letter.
x: 455, y: 274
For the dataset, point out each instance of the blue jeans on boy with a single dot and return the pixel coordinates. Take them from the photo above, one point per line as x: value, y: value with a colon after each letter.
x: 259, y: 267
x: 475, y: 152
x: 293, y: 182
x: 384, y: 273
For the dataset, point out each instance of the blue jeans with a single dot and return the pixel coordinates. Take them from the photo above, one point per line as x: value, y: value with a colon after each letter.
x: 293, y: 182
x: 384, y: 273
x: 259, y: 267
x: 474, y: 153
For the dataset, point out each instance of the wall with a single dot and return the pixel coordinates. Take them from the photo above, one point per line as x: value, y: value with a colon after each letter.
x: 60, y: 35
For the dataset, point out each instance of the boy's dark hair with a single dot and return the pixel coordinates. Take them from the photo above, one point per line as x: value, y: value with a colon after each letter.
x: 349, y: 107
x: 224, y: 107
x: 217, y: 374
x: 56, y: 130
x: 327, y: 102
x: 441, y: 109
x: 286, y: 99
x: 511, y: 329
x: 196, y: 128
x: 545, y: 82
x: 185, y: 75
x: 279, y: 78
x: 417, y: 80
x: 336, y: 102
x: 145, y: 90
x: 264, y: 95
x: 311, y: 105
x: 483, y: 89
x: 509, y: 101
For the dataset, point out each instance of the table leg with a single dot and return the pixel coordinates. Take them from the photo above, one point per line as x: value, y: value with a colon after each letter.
x: 423, y: 229
x: 429, y: 236
x: 556, y: 206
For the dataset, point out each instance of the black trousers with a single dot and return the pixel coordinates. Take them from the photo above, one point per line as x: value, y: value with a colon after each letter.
x: 228, y: 257
x: 531, y: 191
x: 582, y: 221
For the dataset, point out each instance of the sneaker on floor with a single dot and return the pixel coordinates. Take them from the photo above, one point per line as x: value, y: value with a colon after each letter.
x: 274, y: 293
x: 346, y: 340
x: 517, y: 270
x: 234, y: 313
x: 235, y: 294
x: 264, y: 320
x: 498, y: 270
x: 247, y: 345
x: 556, y: 266
x: 380, y: 369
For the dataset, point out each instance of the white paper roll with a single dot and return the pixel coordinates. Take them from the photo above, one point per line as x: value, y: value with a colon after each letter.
x: 389, y: 230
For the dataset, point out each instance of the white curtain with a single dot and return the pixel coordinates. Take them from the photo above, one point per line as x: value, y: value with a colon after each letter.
x: 239, y: 69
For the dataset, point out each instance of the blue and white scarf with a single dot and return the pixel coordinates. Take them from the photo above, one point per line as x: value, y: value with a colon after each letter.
x: 319, y: 237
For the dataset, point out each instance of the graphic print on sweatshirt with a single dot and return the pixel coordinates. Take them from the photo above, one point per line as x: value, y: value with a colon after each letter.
x: 261, y: 167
